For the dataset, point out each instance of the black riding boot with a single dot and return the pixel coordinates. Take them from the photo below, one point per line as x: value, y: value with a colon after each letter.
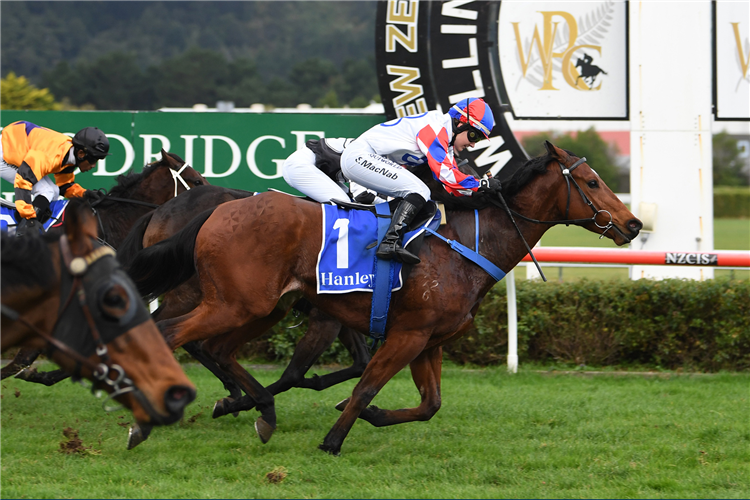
x: 390, y: 247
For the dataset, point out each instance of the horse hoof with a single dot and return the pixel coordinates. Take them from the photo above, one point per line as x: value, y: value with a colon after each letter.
x: 26, y: 373
x: 264, y: 430
x: 218, y: 409
x: 342, y: 405
x: 137, y: 435
x: 329, y: 450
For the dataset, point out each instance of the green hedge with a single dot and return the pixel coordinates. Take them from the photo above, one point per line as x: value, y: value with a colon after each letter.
x: 731, y: 202
x: 666, y: 324
x: 669, y: 324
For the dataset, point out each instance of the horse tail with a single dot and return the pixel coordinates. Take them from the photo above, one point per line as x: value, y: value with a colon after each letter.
x: 133, y: 242
x: 169, y: 263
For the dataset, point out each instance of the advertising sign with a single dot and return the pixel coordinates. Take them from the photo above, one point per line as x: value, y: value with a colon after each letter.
x: 565, y: 60
x: 238, y: 150
x: 732, y: 60
x: 431, y: 55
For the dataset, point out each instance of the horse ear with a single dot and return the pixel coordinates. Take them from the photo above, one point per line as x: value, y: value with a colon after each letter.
x: 168, y: 158
x: 554, y: 151
x: 80, y: 225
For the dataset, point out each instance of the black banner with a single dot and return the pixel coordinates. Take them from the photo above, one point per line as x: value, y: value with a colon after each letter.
x: 432, y: 54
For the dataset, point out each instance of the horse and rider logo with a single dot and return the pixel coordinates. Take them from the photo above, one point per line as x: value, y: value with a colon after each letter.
x: 551, y: 52
x: 588, y: 71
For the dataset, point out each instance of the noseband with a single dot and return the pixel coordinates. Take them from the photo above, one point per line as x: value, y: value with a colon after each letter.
x: 111, y: 374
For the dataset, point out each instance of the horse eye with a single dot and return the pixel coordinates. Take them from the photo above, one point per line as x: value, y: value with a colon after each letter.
x: 198, y: 182
x: 593, y: 184
x: 115, y: 302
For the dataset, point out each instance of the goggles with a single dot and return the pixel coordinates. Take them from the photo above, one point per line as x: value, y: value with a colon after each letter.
x: 474, y: 135
x: 91, y: 158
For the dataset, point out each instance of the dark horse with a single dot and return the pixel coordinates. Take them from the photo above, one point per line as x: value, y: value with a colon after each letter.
x: 167, y: 220
x: 589, y: 71
x: 67, y: 294
x: 134, y: 195
x: 255, y: 257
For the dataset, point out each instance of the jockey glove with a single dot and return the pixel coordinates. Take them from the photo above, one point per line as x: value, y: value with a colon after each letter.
x: 41, y: 207
x: 489, y: 186
x: 28, y: 226
x: 94, y: 196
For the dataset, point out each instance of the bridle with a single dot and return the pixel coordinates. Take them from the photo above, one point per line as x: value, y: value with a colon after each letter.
x: 176, y: 175
x: 568, y: 176
x: 105, y: 371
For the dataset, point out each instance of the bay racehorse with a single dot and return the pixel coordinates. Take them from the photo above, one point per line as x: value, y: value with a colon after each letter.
x: 67, y: 294
x: 167, y: 220
x: 134, y: 195
x: 257, y: 256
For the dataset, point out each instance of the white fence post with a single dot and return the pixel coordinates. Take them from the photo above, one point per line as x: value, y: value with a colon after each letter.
x: 510, y: 285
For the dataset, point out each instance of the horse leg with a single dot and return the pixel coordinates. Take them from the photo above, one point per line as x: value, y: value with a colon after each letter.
x: 223, y: 350
x: 425, y: 371
x: 195, y: 350
x: 357, y: 347
x: 321, y: 332
x: 399, y: 349
x: 46, y: 378
x: 23, y: 359
x: 179, y: 301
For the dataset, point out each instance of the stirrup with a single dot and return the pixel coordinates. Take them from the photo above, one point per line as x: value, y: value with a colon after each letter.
x: 397, y: 252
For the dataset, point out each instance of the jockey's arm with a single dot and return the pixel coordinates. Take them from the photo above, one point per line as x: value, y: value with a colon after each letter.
x: 65, y: 179
x: 35, y: 165
x: 435, y: 146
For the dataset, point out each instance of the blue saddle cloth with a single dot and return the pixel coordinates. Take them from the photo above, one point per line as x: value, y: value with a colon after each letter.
x: 8, y: 216
x: 344, y: 263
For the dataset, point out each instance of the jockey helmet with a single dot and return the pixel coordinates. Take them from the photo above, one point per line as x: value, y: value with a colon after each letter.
x: 472, y: 113
x: 93, y: 142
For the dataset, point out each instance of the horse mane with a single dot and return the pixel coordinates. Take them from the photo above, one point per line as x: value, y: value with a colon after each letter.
x: 126, y: 181
x: 520, y: 178
x: 26, y: 261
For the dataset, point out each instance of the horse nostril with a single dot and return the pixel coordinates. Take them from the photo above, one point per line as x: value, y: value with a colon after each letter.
x: 178, y: 397
x: 635, y: 225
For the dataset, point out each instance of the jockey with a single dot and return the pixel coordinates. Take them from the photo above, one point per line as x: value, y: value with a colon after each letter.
x: 379, y: 159
x: 315, y: 170
x: 28, y: 153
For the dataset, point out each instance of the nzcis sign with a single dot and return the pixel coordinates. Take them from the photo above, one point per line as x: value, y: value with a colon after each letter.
x: 238, y: 150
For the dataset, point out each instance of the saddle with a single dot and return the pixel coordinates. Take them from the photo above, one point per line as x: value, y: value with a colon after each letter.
x: 425, y: 214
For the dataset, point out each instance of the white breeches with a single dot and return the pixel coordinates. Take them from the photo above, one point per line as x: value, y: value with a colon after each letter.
x: 300, y: 172
x: 362, y: 165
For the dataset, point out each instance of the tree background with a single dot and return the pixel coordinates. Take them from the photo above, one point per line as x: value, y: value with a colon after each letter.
x: 128, y: 55
x: 147, y: 55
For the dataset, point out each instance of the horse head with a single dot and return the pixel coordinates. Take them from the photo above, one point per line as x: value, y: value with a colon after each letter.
x: 91, y: 314
x: 583, y: 197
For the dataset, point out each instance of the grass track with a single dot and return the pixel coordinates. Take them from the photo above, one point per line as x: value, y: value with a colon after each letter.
x: 532, y: 434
